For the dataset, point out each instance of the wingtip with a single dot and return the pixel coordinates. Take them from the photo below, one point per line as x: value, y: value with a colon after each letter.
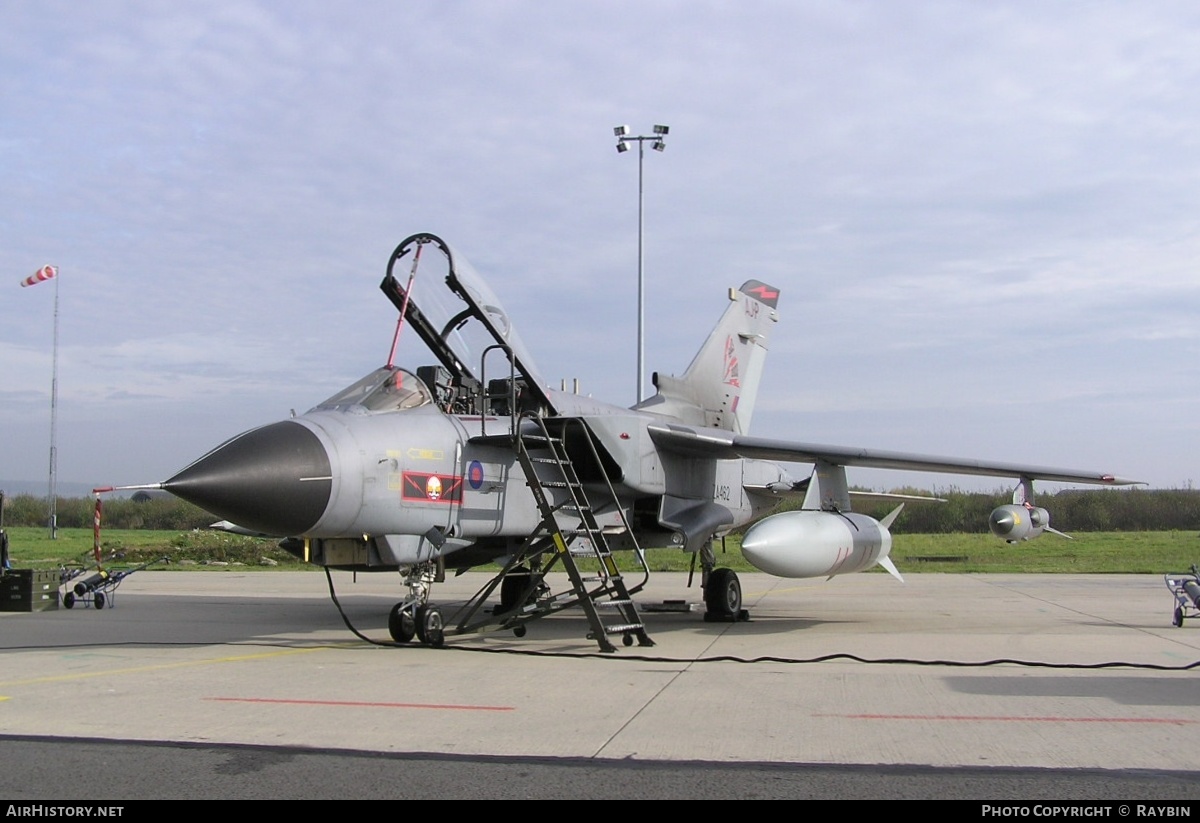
x: 1111, y: 480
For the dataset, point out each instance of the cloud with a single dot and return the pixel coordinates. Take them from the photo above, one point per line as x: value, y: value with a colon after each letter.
x: 973, y: 209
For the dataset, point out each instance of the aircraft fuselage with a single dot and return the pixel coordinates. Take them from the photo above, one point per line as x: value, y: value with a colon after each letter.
x: 404, y: 486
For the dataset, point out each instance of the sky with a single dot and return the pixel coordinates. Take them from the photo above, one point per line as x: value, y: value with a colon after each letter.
x: 984, y: 218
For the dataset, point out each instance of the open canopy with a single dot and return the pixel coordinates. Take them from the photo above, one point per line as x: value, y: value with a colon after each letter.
x: 459, y: 317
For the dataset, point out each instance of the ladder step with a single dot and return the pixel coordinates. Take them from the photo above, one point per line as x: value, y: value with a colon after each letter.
x: 612, y: 579
x: 588, y: 551
x: 551, y: 473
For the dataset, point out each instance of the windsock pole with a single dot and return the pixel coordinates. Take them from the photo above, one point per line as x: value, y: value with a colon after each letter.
x: 40, y: 276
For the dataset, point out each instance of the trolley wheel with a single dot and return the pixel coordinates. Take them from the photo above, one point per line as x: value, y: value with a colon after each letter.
x: 69, y: 600
x: 519, y: 631
x: 627, y: 639
x: 1177, y: 618
x: 430, y: 629
x: 98, y: 600
x: 401, y: 625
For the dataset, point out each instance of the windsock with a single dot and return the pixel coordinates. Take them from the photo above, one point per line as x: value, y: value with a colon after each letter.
x: 41, y: 275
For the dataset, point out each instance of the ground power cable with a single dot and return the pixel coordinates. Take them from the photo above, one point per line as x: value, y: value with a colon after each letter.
x: 826, y: 658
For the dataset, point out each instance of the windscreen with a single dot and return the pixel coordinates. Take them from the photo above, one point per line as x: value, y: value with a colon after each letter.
x: 385, y: 389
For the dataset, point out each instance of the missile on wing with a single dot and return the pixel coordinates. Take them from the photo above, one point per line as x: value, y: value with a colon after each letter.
x: 817, y: 544
x: 1015, y: 523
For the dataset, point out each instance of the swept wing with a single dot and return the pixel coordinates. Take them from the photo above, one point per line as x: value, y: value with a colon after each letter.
x: 725, y: 445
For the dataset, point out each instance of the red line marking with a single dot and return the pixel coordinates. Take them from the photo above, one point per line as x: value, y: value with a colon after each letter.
x: 362, y: 704
x: 993, y: 718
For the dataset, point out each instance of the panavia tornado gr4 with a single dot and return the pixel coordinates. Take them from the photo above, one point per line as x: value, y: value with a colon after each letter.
x: 471, y: 459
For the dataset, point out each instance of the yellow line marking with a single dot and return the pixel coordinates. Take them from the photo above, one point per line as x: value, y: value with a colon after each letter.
x: 243, y: 658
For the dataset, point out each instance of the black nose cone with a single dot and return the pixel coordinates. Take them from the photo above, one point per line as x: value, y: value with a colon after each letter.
x: 275, y: 479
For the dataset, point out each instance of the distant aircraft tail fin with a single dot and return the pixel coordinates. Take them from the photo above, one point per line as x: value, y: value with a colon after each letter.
x: 720, y: 387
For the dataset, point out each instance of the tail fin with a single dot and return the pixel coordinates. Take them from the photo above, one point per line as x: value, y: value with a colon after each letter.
x: 719, y: 388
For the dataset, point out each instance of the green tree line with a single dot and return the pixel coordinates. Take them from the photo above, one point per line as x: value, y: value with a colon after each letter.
x: 1071, y: 510
x: 165, y: 513
x: 1103, y: 510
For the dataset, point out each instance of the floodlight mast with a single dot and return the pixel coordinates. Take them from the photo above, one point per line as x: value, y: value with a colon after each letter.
x: 624, y: 138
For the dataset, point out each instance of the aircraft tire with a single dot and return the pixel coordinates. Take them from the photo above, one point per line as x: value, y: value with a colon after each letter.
x: 430, y: 629
x: 98, y: 600
x: 69, y: 600
x: 723, y: 595
x: 401, y: 625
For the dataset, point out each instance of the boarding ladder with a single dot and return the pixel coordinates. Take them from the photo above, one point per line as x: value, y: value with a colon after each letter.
x: 569, y: 529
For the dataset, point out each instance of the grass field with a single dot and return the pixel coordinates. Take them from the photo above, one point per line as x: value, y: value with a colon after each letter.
x: 32, y: 548
x: 1088, y: 553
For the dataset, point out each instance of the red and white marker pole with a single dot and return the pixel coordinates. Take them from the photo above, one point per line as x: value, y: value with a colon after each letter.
x: 96, y: 522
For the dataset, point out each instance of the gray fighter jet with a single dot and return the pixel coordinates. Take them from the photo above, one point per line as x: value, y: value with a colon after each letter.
x: 472, y: 459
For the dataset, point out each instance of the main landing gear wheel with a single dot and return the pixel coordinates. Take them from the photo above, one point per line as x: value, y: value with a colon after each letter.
x: 723, y: 597
x: 430, y: 630
x: 401, y: 625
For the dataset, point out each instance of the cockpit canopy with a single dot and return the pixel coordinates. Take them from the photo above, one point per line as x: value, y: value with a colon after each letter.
x: 460, y: 319
x: 386, y: 389
x: 483, y: 366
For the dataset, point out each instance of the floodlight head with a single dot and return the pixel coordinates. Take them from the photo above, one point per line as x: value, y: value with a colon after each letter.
x: 662, y: 129
x: 621, y: 131
x: 622, y: 147
x: 658, y: 145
